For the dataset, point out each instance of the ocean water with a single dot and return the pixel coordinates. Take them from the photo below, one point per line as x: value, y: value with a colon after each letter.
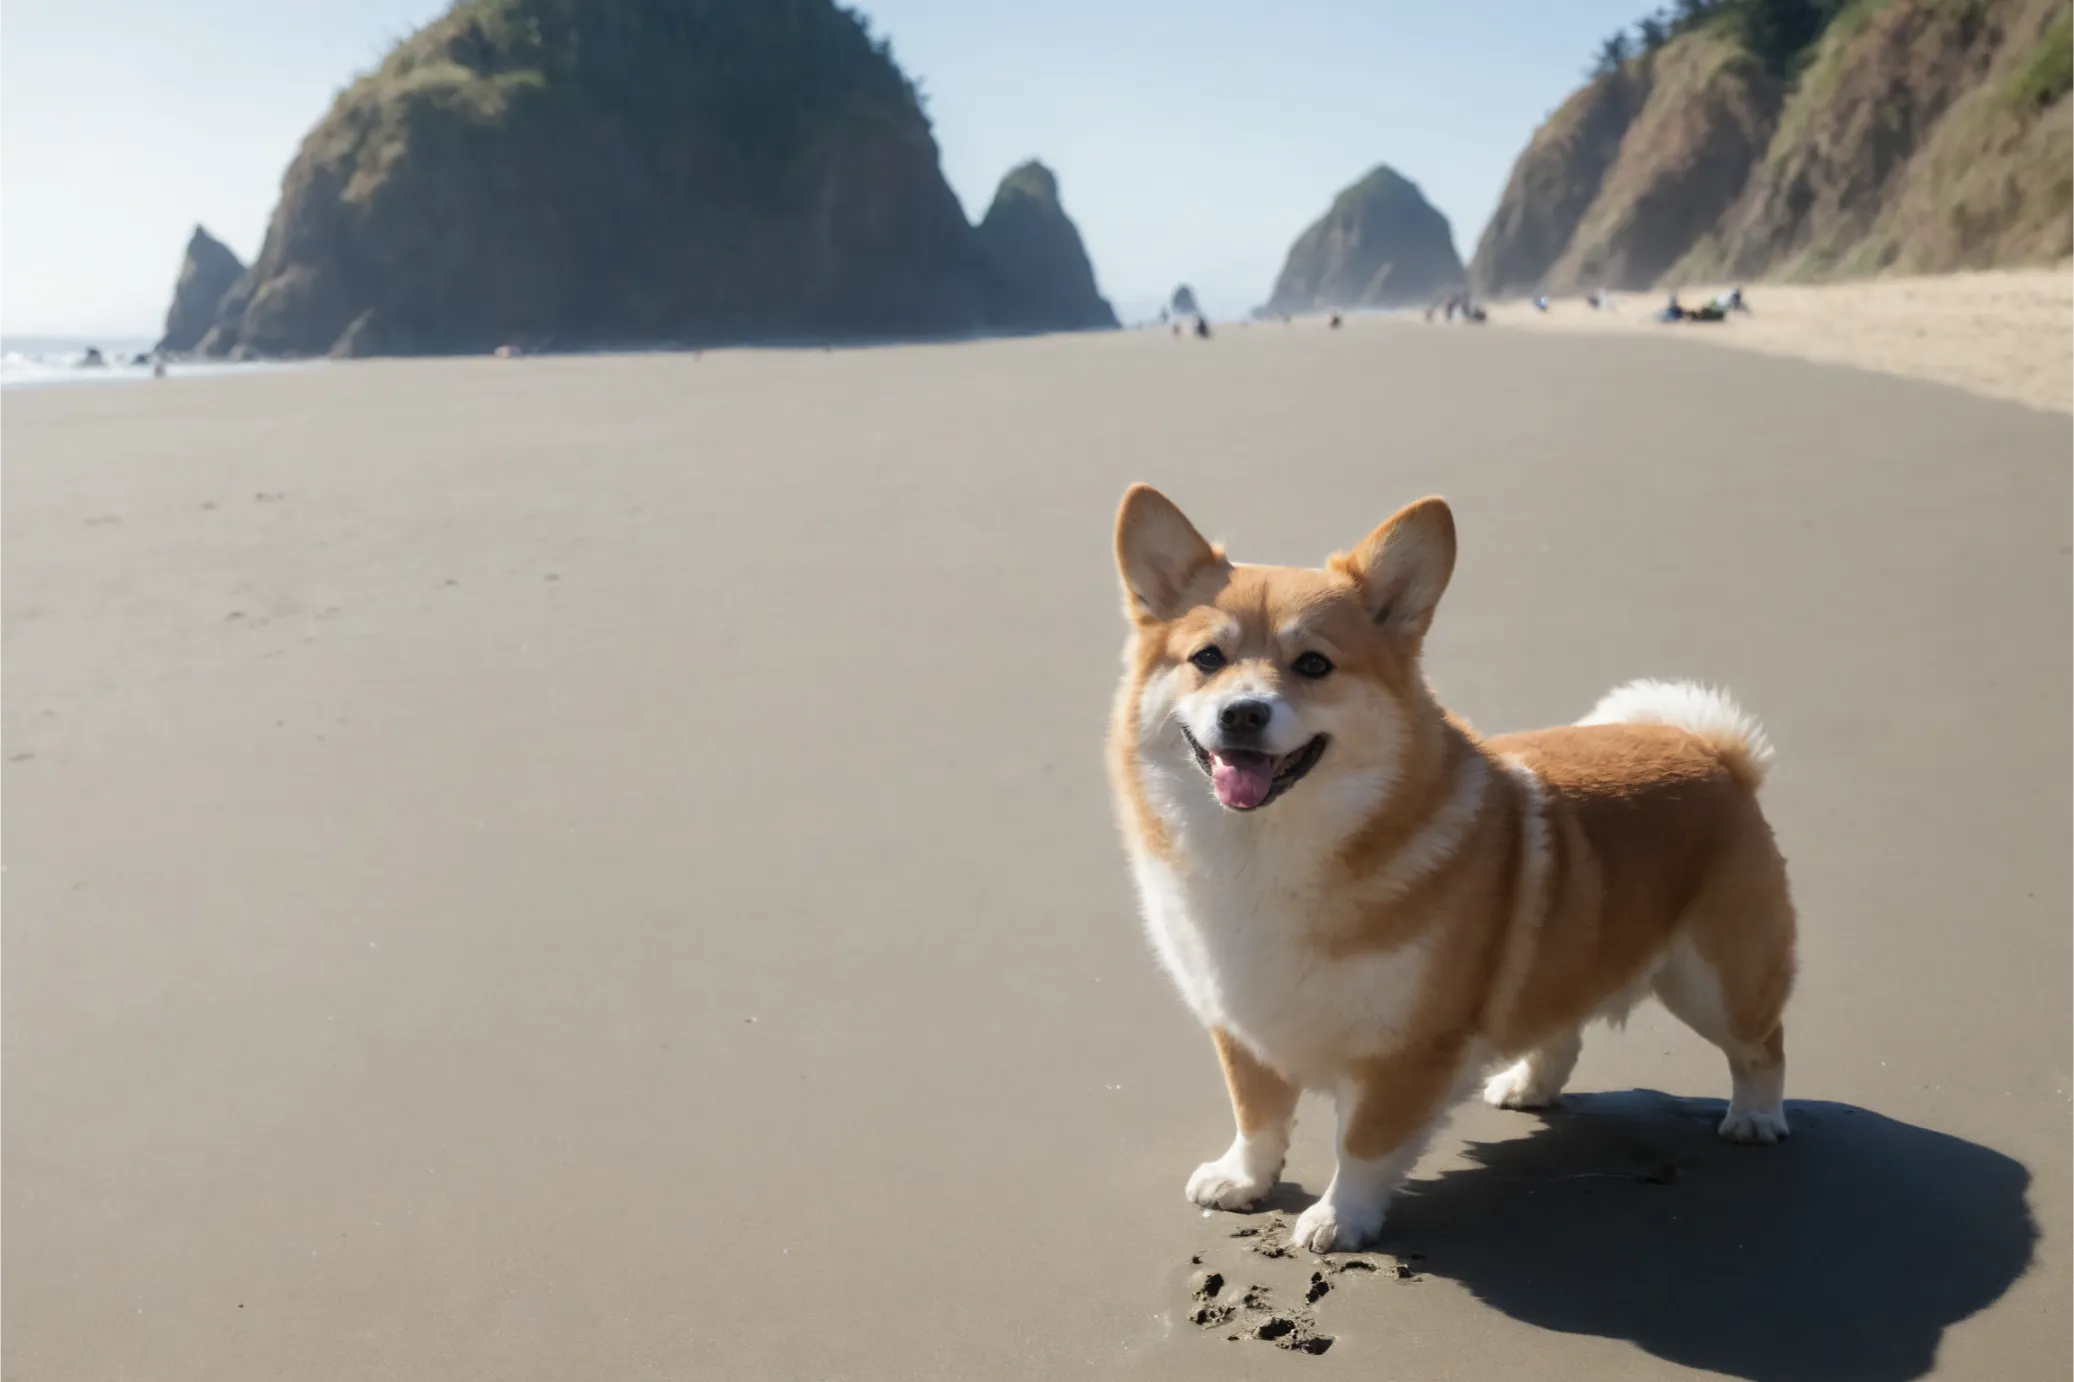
x: 46, y: 360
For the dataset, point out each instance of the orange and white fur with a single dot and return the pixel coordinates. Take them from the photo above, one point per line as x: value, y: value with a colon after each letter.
x: 1358, y: 894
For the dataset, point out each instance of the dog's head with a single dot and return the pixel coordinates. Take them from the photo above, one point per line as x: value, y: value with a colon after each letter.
x: 1259, y: 681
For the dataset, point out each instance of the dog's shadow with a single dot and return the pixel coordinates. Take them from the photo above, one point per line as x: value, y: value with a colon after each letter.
x: 1843, y: 1253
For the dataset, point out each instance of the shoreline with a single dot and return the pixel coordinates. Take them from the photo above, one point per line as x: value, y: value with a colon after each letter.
x: 2005, y: 334
x: 37, y: 370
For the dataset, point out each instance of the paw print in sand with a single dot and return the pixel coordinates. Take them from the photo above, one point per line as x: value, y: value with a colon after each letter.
x: 1280, y: 1312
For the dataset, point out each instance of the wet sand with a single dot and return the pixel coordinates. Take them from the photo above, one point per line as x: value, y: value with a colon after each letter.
x: 600, y: 867
x: 2002, y: 334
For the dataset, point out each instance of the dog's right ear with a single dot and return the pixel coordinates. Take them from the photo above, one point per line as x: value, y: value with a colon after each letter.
x: 1159, y: 553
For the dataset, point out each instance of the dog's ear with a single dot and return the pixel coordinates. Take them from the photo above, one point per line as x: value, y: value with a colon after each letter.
x: 1159, y: 553
x: 1404, y: 565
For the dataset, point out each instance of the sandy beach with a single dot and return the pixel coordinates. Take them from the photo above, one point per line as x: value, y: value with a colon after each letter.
x: 600, y: 867
x: 2005, y: 334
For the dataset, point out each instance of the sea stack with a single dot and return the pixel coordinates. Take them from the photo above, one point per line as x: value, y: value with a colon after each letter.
x: 1381, y: 244
x: 207, y: 271
x: 644, y: 172
x: 1039, y: 278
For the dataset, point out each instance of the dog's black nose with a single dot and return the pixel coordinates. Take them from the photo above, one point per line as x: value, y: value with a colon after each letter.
x: 1245, y: 717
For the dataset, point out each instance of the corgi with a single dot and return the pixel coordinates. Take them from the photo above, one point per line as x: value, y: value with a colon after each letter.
x: 1357, y: 894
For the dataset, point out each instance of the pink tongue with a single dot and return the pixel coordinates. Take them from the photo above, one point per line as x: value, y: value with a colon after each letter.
x: 1242, y: 780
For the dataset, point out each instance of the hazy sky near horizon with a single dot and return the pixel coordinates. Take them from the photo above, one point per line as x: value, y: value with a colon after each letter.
x: 1193, y: 140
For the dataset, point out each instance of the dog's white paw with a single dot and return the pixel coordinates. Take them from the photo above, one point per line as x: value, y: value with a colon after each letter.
x: 1754, y: 1125
x: 1328, y: 1227
x: 1226, y: 1183
x: 1519, y: 1086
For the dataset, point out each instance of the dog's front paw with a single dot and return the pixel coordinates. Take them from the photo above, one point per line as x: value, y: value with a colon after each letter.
x: 1754, y: 1125
x: 1328, y: 1227
x: 1519, y: 1086
x: 1227, y: 1183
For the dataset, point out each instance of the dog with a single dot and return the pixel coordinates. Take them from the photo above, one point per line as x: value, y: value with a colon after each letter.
x: 1358, y: 894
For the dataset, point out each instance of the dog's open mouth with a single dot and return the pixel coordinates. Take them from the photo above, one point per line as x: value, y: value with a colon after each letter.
x: 1247, y: 781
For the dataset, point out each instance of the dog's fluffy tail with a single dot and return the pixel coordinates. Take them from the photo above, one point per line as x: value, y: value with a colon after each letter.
x: 1727, y: 728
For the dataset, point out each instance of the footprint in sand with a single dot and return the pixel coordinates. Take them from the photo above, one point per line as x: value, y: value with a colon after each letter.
x: 1283, y: 1315
x: 1254, y: 1312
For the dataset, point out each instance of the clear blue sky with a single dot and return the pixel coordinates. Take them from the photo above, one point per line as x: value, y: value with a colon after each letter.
x: 1193, y: 139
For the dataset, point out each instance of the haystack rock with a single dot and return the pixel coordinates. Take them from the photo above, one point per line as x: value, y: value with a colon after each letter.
x: 1038, y: 271
x: 638, y: 172
x: 1382, y: 244
x: 207, y: 272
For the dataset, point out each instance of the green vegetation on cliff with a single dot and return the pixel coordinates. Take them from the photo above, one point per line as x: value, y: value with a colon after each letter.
x: 1923, y: 136
x: 1779, y: 34
x: 1631, y: 170
x: 1746, y: 138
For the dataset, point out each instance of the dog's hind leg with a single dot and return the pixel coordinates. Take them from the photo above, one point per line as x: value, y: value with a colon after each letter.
x: 1728, y: 974
x: 1742, y: 1018
x: 1691, y: 989
x: 1757, y: 1100
x: 1537, y: 1078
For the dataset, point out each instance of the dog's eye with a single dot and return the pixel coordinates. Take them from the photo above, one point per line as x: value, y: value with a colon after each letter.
x: 1209, y: 659
x: 1312, y: 665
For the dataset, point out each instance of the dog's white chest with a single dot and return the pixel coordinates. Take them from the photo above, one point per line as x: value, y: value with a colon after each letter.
x: 1236, y: 937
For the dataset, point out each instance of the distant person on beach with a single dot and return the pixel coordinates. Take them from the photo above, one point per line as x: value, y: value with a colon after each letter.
x: 1202, y: 328
x: 1335, y: 322
x: 1712, y: 311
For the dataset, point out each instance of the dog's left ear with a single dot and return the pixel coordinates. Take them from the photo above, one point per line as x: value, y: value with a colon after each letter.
x: 1403, y: 566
